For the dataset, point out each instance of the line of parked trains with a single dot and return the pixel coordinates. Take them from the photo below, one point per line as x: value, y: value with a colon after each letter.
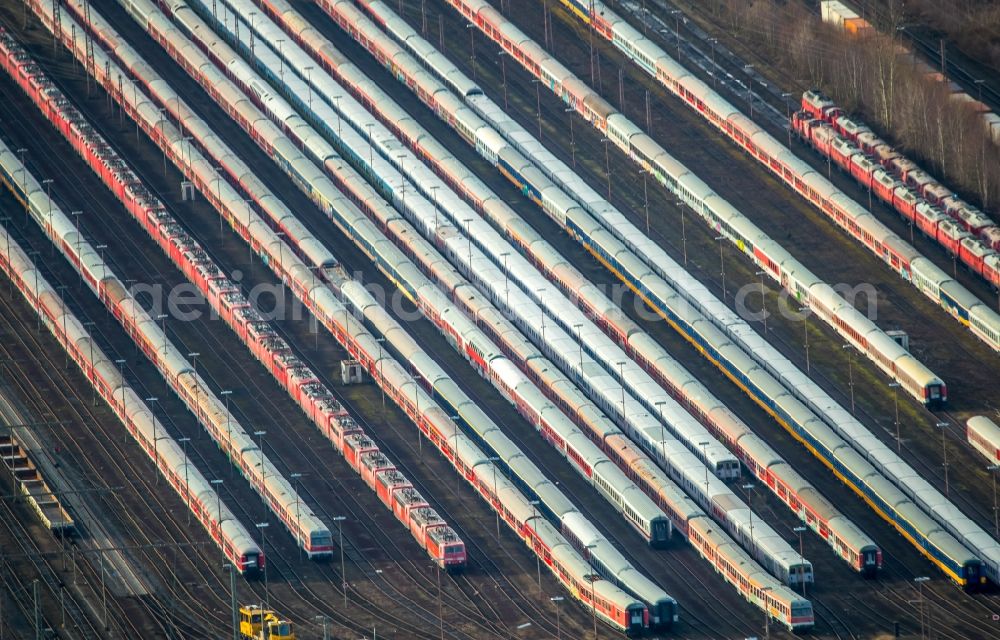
x: 785, y: 565
x: 216, y: 85
x: 433, y: 534
x: 231, y: 437
x: 964, y: 231
x: 770, y: 550
x: 610, y: 603
x: 799, y: 495
x: 167, y: 455
x: 774, y: 260
x: 510, y: 280
x: 764, y: 544
x: 624, y: 496
x: 853, y: 218
x: 873, y: 470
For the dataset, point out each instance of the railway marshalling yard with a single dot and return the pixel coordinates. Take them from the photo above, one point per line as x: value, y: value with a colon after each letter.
x: 139, y: 566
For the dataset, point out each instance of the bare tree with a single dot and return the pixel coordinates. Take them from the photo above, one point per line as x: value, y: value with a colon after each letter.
x: 878, y: 79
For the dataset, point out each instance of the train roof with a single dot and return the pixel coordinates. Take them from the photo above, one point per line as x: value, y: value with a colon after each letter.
x: 985, y: 426
x: 444, y: 535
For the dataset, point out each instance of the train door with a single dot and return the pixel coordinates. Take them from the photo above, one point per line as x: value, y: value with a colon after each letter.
x: 660, y: 532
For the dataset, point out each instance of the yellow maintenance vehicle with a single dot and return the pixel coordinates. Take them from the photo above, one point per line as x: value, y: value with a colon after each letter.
x: 263, y: 624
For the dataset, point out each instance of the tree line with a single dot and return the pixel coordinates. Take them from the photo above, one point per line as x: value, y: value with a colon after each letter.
x: 973, y: 25
x: 876, y: 78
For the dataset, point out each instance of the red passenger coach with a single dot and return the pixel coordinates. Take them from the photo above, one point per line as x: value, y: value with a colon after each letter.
x: 928, y: 218
x: 405, y: 501
x: 884, y: 155
x: 973, y: 253
x: 439, y: 539
x: 818, y: 105
x: 371, y: 463
x: 356, y: 445
x: 950, y: 235
x: 905, y: 202
x: 388, y: 482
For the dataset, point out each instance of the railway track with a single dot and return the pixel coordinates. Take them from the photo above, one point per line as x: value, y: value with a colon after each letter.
x: 347, y: 49
x: 978, y: 85
x: 695, y: 613
x: 56, y: 157
x: 162, y: 567
x: 32, y: 547
x: 132, y: 373
x: 357, y: 512
x: 687, y: 142
x: 52, y: 374
x: 712, y: 60
x: 156, y: 553
x: 682, y: 599
x: 237, y: 498
x: 835, y: 384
